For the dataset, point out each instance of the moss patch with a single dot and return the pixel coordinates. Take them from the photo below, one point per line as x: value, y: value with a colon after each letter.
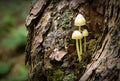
x: 66, y: 20
x: 70, y: 77
x: 56, y: 76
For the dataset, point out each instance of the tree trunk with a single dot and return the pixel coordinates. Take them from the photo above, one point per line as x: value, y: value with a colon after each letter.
x: 51, y: 52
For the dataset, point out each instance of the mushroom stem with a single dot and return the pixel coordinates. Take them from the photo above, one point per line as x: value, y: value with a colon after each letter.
x: 78, y: 52
x: 80, y: 28
x: 80, y: 42
x: 85, y: 44
x: 80, y: 47
x: 85, y: 33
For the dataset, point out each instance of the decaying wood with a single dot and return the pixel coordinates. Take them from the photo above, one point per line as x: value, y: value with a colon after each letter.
x: 105, y: 65
x: 50, y: 48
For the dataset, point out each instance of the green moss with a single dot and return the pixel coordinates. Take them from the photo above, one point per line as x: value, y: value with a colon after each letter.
x: 57, y: 76
x: 91, y: 45
x: 70, y: 77
x: 65, y: 64
x: 66, y: 21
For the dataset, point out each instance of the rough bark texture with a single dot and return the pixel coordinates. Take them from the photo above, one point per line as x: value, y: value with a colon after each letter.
x: 51, y: 52
x: 105, y: 65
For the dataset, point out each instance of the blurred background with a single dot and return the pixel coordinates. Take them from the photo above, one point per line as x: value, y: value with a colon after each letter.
x: 13, y: 39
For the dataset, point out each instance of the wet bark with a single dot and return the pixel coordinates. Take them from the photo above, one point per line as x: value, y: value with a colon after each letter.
x: 51, y: 52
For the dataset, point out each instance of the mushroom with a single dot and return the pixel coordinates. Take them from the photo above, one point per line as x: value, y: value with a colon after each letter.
x: 85, y: 34
x: 79, y: 21
x: 77, y: 35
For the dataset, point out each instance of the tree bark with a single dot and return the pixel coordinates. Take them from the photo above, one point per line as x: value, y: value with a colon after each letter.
x: 51, y: 52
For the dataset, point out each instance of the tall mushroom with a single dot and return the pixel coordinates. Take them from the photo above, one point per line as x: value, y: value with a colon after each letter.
x: 77, y: 35
x: 85, y: 33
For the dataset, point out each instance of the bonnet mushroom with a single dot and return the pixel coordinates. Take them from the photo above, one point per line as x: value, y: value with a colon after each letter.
x: 80, y: 21
x: 77, y: 35
x: 85, y: 34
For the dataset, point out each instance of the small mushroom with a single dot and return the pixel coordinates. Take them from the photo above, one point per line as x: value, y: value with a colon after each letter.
x: 85, y: 34
x: 79, y: 21
x: 77, y: 35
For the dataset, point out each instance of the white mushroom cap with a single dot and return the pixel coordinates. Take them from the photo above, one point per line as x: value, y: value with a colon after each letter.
x: 79, y: 20
x: 85, y: 32
x: 77, y: 35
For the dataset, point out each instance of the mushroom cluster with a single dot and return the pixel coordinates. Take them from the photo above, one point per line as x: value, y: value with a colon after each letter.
x: 79, y: 34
